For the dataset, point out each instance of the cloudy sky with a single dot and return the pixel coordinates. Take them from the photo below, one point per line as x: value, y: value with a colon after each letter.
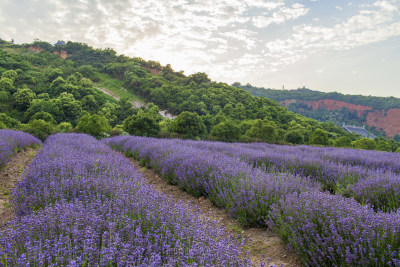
x: 346, y: 46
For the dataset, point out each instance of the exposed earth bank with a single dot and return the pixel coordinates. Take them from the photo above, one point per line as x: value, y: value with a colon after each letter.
x: 388, y: 121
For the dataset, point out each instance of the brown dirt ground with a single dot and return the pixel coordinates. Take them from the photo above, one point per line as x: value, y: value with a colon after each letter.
x: 9, y: 176
x: 263, y: 241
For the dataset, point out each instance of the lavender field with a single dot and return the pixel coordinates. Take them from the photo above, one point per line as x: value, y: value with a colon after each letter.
x: 333, y: 207
x: 13, y: 141
x: 81, y: 204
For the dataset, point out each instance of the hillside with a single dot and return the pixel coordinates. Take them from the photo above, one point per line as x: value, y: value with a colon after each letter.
x: 380, y: 114
x: 73, y: 87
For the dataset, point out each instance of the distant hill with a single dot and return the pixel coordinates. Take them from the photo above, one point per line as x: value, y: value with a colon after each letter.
x: 380, y: 114
x: 46, y: 88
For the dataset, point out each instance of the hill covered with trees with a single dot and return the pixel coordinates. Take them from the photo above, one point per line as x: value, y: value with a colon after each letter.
x: 379, y: 114
x: 47, y: 88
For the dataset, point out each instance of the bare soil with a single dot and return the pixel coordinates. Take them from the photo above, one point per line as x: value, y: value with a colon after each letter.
x: 9, y: 176
x: 263, y: 244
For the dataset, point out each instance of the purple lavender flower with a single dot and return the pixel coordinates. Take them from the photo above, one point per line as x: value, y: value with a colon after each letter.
x: 83, y: 204
x: 12, y: 141
x: 325, y: 229
x: 247, y: 193
x: 263, y: 182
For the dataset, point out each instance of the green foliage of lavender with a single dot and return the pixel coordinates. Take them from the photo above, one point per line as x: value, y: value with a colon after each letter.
x: 81, y: 204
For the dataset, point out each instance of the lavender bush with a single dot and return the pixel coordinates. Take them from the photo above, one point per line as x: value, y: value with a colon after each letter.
x: 304, y: 161
x: 81, y: 204
x: 379, y: 190
x: 330, y: 230
x: 245, y: 192
x: 12, y: 141
x: 321, y: 228
x: 371, y: 160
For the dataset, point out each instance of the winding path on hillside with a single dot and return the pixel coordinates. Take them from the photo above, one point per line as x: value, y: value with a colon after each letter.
x: 9, y: 176
x: 264, y: 244
x: 136, y: 104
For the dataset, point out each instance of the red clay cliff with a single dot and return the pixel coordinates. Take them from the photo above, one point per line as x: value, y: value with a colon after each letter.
x: 388, y: 121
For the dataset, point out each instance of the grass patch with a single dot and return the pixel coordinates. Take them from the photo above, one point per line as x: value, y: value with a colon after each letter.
x: 115, y: 88
x: 6, y: 191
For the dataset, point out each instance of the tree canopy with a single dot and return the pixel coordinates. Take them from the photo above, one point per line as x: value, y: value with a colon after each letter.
x: 41, y: 89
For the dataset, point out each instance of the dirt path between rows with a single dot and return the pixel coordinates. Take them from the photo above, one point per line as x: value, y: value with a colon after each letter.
x: 265, y: 244
x: 9, y: 176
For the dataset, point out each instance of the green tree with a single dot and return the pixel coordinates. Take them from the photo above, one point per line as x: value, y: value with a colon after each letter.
x: 23, y: 98
x: 57, y: 84
x: 94, y: 125
x: 9, y: 122
x: 383, y: 146
x: 142, y: 124
x: 263, y: 130
x: 118, y: 130
x: 218, y: 118
x: 393, y: 145
x: 89, y: 103
x: 72, y: 108
x: 53, y: 74
x: 319, y: 137
x: 245, y: 126
x: 40, y: 128
x: 189, y: 125
x: 343, y: 141
x: 9, y: 74
x: 44, y: 96
x: 47, y: 117
x: 52, y: 106
x: 227, y: 131
x: 199, y: 77
x: 109, y: 111
x: 365, y: 143
x: 64, y: 127
x: 294, y: 137
x: 7, y: 85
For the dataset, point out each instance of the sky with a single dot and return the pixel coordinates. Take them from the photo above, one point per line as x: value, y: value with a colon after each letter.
x: 352, y: 47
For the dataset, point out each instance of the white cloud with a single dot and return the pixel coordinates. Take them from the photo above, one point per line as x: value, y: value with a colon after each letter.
x: 368, y: 26
x: 230, y: 39
x: 280, y: 16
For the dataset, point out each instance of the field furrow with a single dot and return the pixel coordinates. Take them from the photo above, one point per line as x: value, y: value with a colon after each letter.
x: 321, y: 225
x: 82, y: 204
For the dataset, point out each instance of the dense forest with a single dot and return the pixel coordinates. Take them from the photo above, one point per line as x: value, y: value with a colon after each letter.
x: 47, y: 88
x: 324, y: 114
x: 375, y: 102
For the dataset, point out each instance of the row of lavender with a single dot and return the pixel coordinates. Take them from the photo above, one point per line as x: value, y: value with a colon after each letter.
x: 323, y: 229
x: 11, y: 142
x: 81, y: 204
x: 376, y: 183
x: 247, y: 193
x: 367, y: 158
